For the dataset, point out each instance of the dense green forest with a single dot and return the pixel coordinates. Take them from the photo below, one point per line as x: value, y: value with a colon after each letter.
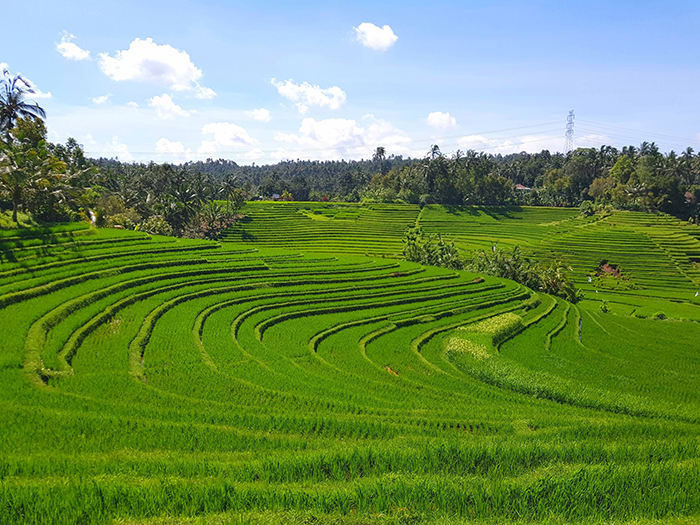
x: 633, y: 178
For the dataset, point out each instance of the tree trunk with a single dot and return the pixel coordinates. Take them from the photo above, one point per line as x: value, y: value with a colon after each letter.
x: 16, y: 196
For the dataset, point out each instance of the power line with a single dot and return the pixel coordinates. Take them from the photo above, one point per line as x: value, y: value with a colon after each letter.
x: 634, y: 131
x: 629, y: 139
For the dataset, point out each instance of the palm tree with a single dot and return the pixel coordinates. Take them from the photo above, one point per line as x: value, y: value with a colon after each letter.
x: 12, y: 178
x: 687, y: 167
x: 12, y: 104
x: 228, y: 187
x: 648, y: 148
x: 23, y: 170
x: 379, y: 157
x: 434, y: 152
x: 630, y: 151
x: 379, y: 154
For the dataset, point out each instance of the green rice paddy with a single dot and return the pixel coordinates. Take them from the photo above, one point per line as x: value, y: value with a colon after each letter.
x: 299, y: 372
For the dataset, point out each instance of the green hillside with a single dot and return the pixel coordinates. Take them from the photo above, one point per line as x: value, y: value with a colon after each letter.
x: 300, y: 372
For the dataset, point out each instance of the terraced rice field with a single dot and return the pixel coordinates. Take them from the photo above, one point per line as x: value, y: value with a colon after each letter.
x: 286, y: 376
x: 338, y: 227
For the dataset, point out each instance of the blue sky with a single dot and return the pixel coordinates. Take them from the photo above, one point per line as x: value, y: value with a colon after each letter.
x: 266, y: 81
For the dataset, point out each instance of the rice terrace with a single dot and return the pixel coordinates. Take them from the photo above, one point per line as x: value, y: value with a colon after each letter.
x: 350, y: 263
x: 299, y: 365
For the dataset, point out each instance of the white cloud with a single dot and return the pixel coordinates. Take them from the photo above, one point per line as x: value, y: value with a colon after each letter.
x: 146, y: 61
x: 70, y: 50
x: 481, y: 143
x: 173, y: 151
x: 39, y: 93
x: 440, y: 120
x: 133, y: 105
x: 204, y: 93
x: 226, y: 136
x: 305, y: 95
x: 261, y: 114
x: 166, y: 108
x: 114, y: 149
x: 253, y: 154
x: 103, y: 99
x: 374, y: 37
x: 342, y: 138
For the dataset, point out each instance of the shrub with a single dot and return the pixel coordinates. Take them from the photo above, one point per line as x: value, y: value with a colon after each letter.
x: 210, y: 222
x: 127, y: 221
x: 509, y: 265
x: 430, y: 249
x: 156, y: 225
x: 587, y: 208
x: 551, y: 278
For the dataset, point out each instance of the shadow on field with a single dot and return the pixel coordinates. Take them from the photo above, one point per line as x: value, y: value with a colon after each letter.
x: 247, y: 237
x: 502, y: 212
x: 7, y: 255
x: 462, y: 210
x: 495, y: 212
x: 47, y: 238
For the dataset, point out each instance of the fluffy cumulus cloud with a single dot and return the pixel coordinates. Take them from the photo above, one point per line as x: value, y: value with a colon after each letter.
x: 166, y: 108
x: 114, y: 149
x: 39, y: 93
x: 305, y: 95
x: 223, y: 137
x: 261, y: 114
x: 342, y: 138
x: 70, y: 50
x: 173, y: 151
x: 440, y: 120
x: 102, y: 100
x: 375, y: 37
x: 146, y: 61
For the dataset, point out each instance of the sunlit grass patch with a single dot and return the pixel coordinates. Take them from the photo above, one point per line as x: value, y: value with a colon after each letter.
x: 465, y: 346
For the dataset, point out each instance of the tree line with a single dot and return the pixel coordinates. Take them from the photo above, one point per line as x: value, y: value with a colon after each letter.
x: 632, y: 178
x: 56, y: 182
